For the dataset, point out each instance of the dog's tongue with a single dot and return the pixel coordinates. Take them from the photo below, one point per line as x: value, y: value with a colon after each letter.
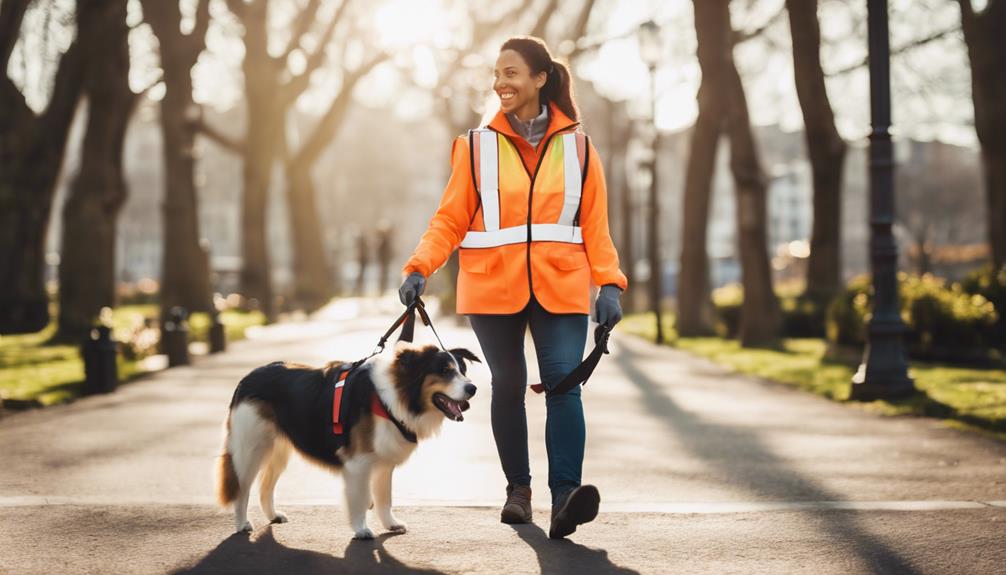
x: 456, y: 409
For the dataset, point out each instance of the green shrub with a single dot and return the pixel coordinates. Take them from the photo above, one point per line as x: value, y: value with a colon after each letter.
x: 991, y: 284
x: 801, y: 316
x: 944, y: 321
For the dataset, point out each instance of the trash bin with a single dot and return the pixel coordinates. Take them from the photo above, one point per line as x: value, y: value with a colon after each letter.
x: 101, y: 370
x: 175, y: 337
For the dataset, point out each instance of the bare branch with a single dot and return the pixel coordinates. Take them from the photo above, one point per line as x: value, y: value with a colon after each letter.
x: 741, y: 36
x: 237, y: 7
x: 229, y: 143
x: 907, y: 47
x: 202, y: 24
x: 301, y: 24
x: 11, y: 15
x: 542, y: 24
x: 330, y: 122
x: 582, y: 20
x: 296, y: 85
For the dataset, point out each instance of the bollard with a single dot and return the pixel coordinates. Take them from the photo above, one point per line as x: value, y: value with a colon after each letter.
x: 101, y: 371
x: 175, y: 337
x: 218, y: 337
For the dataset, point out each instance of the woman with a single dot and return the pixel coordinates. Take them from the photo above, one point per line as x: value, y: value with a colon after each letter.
x: 526, y: 204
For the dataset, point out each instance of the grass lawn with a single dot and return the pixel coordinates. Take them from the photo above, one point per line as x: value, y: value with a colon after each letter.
x: 963, y: 396
x: 33, y: 370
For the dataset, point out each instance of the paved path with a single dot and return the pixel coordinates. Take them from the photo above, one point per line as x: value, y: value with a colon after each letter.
x: 699, y: 470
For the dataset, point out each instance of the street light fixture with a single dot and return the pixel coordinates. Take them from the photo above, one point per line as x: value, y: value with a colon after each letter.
x: 884, y: 371
x: 651, y: 51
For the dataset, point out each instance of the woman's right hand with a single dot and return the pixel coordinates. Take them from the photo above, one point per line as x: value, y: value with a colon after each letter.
x: 412, y: 288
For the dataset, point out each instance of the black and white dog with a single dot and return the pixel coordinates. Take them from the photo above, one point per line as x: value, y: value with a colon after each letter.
x: 391, y: 404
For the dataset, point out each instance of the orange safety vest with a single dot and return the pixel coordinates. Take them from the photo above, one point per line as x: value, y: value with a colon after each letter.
x: 525, y: 219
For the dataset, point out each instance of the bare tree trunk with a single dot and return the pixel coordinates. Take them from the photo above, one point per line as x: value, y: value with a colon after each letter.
x: 313, y: 277
x: 87, y: 265
x: 31, y: 153
x: 619, y: 129
x: 712, y: 28
x: 825, y: 148
x: 261, y: 80
x: 185, y: 276
x: 983, y: 33
x: 761, y: 320
x: 313, y: 286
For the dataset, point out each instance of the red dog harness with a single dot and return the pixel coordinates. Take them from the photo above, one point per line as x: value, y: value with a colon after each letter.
x: 377, y: 407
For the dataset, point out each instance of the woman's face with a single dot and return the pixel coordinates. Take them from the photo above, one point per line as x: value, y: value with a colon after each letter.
x: 516, y: 87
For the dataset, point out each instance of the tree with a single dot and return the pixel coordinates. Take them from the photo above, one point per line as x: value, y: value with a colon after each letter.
x: 87, y: 263
x: 761, y: 319
x: 31, y: 153
x: 983, y: 34
x: 712, y: 27
x: 185, y: 279
x: 271, y: 89
x: 825, y: 148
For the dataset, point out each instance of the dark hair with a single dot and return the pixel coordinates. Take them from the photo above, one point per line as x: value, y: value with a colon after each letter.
x: 558, y: 86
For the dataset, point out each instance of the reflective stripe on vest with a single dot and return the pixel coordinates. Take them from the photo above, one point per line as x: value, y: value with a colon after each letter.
x: 485, y: 152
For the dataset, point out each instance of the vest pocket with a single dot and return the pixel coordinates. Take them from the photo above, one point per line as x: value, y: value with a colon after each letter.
x: 568, y: 261
x: 478, y: 261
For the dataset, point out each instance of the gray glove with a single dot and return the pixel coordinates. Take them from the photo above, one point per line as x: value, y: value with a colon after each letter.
x: 608, y: 306
x: 412, y: 288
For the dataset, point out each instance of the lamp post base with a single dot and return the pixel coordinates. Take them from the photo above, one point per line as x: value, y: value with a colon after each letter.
x: 883, y: 374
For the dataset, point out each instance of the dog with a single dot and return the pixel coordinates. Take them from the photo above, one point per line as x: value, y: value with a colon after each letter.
x: 284, y: 407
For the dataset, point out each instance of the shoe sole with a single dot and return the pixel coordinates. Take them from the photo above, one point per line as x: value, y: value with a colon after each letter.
x: 580, y: 508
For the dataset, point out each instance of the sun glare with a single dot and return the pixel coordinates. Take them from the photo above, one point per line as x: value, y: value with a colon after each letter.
x: 408, y: 22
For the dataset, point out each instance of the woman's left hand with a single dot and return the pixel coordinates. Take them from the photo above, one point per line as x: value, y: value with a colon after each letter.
x: 608, y: 306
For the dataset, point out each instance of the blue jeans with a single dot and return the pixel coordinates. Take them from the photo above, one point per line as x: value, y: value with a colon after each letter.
x: 559, y: 340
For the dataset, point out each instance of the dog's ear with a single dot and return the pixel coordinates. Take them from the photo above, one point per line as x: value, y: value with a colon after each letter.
x: 463, y: 354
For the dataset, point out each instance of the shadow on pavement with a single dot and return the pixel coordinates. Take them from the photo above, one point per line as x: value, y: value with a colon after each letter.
x: 739, y: 454
x: 564, y: 556
x: 240, y: 554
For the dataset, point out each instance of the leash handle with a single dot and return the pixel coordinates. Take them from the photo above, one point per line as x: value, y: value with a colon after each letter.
x: 582, y: 372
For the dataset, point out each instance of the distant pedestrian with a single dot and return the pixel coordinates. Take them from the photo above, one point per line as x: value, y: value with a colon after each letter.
x: 384, y: 253
x: 527, y: 206
x: 363, y: 260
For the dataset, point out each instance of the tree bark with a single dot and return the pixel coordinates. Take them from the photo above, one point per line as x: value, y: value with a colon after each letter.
x: 712, y: 28
x: 185, y: 276
x: 87, y: 263
x: 983, y: 34
x: 761, y: 320
x: 31, y: 153
x: 261, y: 73
x: 825, y: 148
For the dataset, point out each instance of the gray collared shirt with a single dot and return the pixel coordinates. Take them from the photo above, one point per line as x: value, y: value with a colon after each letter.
x: 534, y: 129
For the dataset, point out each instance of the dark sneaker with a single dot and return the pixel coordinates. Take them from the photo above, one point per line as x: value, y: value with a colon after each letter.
x: 579, y: 507
x: 517, y: 508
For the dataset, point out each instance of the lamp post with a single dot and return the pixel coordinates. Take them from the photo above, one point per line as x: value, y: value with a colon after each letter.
x: 884, y: 371
x: 650, y: 51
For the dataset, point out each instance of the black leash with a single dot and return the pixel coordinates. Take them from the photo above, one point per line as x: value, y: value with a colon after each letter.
x: 581, y: 373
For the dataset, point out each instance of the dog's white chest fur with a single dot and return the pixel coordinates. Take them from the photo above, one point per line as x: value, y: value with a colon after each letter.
x: 389, y: 444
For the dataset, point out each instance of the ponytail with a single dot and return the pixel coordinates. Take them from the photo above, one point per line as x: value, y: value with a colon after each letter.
x: 558, y: 88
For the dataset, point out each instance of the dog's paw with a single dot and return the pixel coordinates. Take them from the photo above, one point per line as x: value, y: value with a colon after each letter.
x: 246, y: 528
x: 397, y: 527
x: 364, y: 534
x: 279, y: 518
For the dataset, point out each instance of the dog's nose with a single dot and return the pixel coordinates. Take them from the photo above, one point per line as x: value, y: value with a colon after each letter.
x: 470, y: 389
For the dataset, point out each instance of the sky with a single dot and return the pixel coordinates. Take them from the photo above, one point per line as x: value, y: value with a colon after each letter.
x: 931, y: 85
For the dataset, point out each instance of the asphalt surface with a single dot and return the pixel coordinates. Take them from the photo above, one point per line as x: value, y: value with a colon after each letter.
x: 699, y: 471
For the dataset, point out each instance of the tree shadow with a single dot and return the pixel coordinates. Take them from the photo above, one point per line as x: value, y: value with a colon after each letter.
x: 561, y: 557
x: 740, y: 454
x: 240, y: 554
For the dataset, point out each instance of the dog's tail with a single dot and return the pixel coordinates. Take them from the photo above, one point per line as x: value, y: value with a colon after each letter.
x: 227, y: 477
